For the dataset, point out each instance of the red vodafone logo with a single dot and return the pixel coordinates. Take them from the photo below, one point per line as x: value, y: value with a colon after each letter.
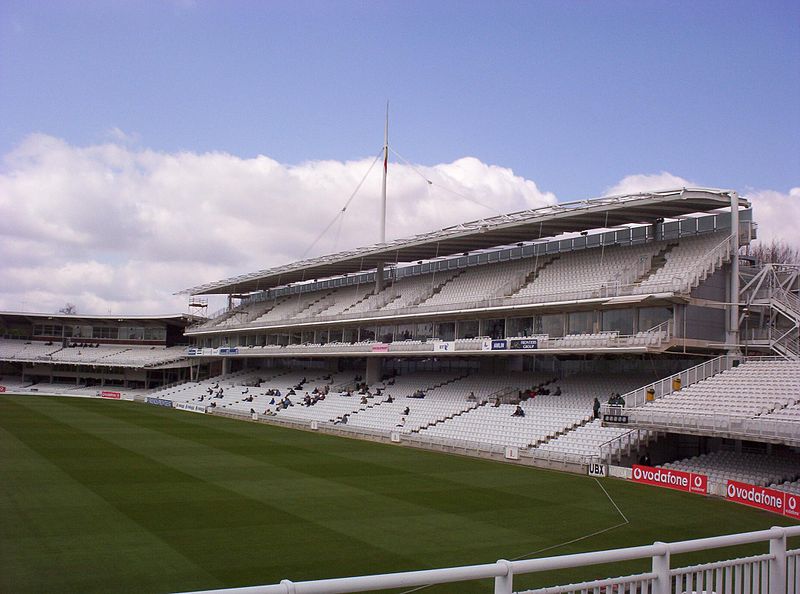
x: 671, y: 479
x: 792, y: 507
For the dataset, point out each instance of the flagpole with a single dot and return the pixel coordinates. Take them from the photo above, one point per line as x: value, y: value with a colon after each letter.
x: 385, y: 167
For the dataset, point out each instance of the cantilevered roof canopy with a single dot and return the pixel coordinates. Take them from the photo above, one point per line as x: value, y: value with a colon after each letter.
x: 526, y: 225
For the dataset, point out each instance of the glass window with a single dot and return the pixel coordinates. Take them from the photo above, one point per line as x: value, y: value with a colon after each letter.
x: 550, y: 324
x: 159, y: 334
x: 322, y: 336
x: 650, y: 317
x: 618, y: 320
x: 494, y: 328
x: 366, y: 334
x: 520, y: 327
x: 307, y: 336
x: 424, y: 331
x: 445, y: 330
x: 335, y: 335
x: 108, y: 332
x: 468, y: 329
x: 405, y: 332
x: 581, y: 322
x: 385, y: 333
x: 350, y: 335
x: 295, y: 338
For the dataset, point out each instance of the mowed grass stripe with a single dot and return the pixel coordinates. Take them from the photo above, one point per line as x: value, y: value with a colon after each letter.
x: 237, y: 538
x: 342, y: 505
x: 404, y: 505
x: 56, y: 534
x: 251, y: 503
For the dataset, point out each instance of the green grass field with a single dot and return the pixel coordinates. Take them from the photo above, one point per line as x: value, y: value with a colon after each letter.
x: 100, y: 496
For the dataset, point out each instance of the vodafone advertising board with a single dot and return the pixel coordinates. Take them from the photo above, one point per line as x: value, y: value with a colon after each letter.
x: 772, y: 500
x: 671, y: 479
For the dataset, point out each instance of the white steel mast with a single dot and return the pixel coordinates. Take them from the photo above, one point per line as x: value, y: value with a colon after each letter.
x: 385, y: 167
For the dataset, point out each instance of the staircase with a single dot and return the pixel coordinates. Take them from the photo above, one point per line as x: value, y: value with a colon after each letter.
x: 656, y: 262
x: 362, y: 300
x: 530, y: 277
x: 434, y: 290
x: 471, y: 408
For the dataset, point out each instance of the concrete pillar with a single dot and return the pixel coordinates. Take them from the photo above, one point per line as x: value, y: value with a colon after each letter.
x: 226, y: 366
x: 732, y: 338
x: 379, y: 284
x: 374, y: 370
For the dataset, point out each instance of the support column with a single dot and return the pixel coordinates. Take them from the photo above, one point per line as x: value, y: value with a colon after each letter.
x: 374, y: 370
x: 379, y: 284
x: 226, y: 366
x: 732, y: 338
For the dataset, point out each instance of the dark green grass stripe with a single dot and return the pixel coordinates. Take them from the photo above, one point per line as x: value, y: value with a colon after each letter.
x: 252, y: 503
x: 56, y: 534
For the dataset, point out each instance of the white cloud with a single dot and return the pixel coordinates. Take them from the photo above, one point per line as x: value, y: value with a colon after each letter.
x: 117, y: 228
x: 648, y: 182
x: 777, y: 215
x: 114, y: 227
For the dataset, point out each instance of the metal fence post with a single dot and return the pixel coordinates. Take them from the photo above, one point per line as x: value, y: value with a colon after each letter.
x: 504, y: 584
x: 777, y: 565
x: 661, y: 569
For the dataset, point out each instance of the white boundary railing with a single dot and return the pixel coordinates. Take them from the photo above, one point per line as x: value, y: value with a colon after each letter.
x: 773, y: 573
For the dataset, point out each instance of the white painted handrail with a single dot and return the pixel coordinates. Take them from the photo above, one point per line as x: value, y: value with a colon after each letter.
x: 660, y: 577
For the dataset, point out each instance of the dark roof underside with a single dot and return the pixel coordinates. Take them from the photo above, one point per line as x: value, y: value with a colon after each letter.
x: 507, y: 229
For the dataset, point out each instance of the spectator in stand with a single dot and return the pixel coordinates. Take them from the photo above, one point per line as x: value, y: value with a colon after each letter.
x: 596, y: 408
x: 518, y: 412
x: 389, y: 398
x: 471, y: 397
x: 406, y: 411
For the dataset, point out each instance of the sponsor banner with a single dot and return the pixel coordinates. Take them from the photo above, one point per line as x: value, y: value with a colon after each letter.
x: 486, y: 344
x: 792, y: 506
x: 198, y: 408
x: 499, y: 345
x: 194, y: 352
x: 512, y: 453
x: 159, y: 401
x: 524, y: 344
x: 596, y: 469
x: 444, y: 346
x: 2, y: 389
x: 671, y: 479
x: 380, y: 347
x: 755, y: 496
x: 621, y: 419
x: 112, y: 395
x: 228, y: 351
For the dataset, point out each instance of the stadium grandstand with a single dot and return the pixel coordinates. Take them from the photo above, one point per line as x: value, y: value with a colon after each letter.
x: 85, y: 354
x: 623, y: 336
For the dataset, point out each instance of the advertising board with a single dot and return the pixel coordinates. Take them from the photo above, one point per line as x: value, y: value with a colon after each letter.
x: 690, y: 482
x: 525, y: 344
x: 159, y: 401
x: 771, y: 500
x: 111, y: 395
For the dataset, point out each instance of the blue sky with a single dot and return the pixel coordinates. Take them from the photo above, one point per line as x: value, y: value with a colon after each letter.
x: 150, y: 146
x: 575, y: 95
